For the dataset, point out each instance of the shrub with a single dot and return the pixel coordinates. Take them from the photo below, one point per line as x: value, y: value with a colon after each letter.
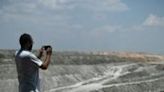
x: 2, y: 55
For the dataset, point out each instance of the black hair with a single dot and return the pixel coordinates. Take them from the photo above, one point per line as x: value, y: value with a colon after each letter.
x: 25, y: 38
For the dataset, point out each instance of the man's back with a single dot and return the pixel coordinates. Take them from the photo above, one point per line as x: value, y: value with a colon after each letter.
x: 28, y: 71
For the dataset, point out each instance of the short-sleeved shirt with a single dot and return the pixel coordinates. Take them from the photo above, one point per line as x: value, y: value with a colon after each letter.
x: 28, y: 71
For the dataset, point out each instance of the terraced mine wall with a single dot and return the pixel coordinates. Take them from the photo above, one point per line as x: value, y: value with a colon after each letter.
x: 91, y: 72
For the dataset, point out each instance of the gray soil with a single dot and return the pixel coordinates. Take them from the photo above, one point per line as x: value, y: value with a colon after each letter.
x: 125, y: 75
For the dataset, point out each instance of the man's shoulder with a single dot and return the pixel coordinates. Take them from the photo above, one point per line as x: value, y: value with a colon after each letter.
x: 25, y: 53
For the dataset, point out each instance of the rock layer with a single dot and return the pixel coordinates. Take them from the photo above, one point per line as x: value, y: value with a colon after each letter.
x: 77, y: 72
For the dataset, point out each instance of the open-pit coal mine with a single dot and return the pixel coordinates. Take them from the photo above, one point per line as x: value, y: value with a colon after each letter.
x: 91, y: 72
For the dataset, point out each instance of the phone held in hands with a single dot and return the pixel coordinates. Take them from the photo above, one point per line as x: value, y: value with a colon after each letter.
x: 46, y: 47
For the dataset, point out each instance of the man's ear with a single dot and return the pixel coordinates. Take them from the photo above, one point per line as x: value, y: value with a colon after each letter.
x: 29, y: 43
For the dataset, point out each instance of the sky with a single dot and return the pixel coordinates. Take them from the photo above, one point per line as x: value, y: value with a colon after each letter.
x: 84, y: 25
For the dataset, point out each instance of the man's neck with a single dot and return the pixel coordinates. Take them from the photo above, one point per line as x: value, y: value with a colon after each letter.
x: 25, y: 49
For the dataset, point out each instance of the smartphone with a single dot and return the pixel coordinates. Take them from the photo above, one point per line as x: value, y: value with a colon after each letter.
x: 46, y: 47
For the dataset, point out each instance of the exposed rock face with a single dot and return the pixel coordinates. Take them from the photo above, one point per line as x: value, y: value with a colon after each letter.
x: 119, y: 76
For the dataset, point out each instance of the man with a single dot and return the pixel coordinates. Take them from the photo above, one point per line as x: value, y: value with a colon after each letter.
x: 28, y: 64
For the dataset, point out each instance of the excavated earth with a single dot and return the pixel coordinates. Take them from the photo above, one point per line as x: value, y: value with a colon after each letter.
x: 91, y: 72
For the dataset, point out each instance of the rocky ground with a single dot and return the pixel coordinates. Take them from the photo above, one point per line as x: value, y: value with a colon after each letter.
x: 91, y: 72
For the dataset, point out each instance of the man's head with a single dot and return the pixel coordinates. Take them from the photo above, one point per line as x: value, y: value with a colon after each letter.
x: 26, y: 41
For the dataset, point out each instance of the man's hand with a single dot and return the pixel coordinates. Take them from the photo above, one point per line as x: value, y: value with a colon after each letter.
x: 46, y: 62
x: 49, y: 51
x: 41, y: 52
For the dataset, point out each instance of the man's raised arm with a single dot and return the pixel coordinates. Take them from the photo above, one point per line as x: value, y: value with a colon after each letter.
x: 47, y: 60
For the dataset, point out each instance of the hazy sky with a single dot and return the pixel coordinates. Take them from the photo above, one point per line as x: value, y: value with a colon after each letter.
x: 94, y: 25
